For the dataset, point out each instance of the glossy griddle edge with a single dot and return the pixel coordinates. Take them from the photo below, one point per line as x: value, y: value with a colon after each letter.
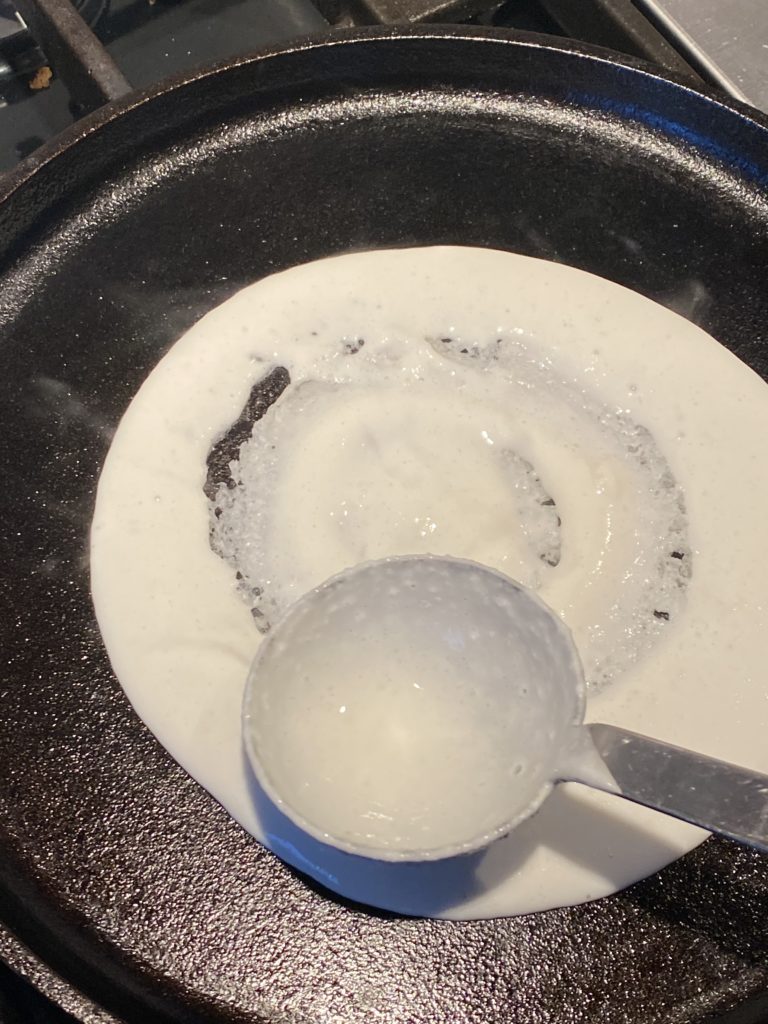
x: 124, y: 879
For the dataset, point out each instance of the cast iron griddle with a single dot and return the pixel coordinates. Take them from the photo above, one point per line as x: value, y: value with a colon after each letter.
x: 122, y: 884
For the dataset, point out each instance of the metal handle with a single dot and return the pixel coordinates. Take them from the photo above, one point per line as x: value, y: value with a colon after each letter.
x: 720, y: 797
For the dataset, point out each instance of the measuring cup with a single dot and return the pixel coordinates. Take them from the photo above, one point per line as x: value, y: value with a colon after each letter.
x: 420, y: 707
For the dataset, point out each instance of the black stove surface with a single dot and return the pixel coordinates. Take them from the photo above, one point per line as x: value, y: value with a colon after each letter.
x: 149, y: 41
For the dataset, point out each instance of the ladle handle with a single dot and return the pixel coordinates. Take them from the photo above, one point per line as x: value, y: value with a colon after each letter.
x: 719, y: 796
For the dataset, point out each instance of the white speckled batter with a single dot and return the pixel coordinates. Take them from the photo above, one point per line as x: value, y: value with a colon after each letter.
x: 629, y: 418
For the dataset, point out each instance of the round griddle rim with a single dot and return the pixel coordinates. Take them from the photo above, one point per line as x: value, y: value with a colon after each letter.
x: 88, y: 125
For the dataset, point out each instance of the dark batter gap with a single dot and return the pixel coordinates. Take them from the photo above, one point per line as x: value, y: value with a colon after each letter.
x: 264, y: 393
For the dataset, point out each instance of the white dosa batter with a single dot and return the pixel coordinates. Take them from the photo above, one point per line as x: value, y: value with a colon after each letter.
x: 581, y: 364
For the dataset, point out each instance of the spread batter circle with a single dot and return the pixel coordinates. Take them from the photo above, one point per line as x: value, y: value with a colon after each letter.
x: 461, y: 401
